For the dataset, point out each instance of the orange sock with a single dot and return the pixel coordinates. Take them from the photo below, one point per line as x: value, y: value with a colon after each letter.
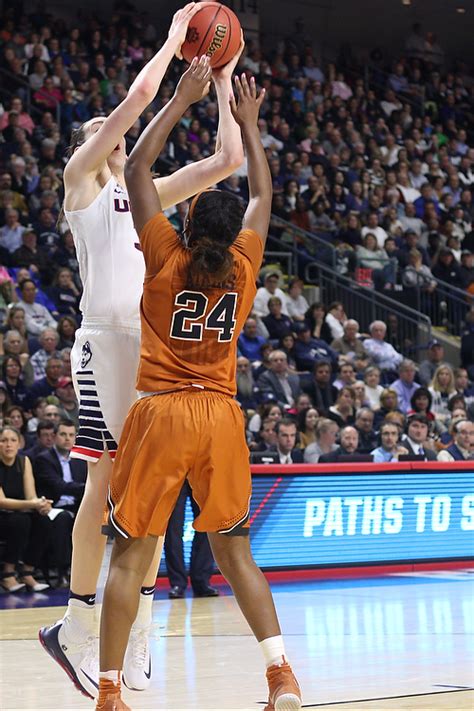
x: 107, y: 687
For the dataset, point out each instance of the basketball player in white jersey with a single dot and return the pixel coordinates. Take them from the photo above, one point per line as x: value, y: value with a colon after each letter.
x: 106, y: 352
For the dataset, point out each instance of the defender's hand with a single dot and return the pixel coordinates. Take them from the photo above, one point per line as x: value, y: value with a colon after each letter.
x: 194, y: 83
x: 246, y: 111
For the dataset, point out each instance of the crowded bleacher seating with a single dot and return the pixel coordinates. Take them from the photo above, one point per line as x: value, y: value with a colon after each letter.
x: 373, y: 178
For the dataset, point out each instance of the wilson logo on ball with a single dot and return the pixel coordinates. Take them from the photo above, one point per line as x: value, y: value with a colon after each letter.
x: 216, y: 43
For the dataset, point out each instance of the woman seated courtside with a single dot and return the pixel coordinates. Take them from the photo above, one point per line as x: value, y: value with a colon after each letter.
x: 24, y: 522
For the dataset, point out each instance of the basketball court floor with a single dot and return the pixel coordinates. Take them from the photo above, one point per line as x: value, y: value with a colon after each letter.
x: 400, y: 641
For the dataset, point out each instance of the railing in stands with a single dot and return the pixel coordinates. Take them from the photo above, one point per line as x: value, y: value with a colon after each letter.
x: 446, y: 306
x: 25, y: 93
x: 306, y: 246
x: 408, y: 330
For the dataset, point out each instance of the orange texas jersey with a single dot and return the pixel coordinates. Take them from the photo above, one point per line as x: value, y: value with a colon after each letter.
x: 189, y: 331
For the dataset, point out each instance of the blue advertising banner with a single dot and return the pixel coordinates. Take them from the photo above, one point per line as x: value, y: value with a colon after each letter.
x: 345, y: 517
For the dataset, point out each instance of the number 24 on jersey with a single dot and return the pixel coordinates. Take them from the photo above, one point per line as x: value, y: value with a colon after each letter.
x: 186, y: 324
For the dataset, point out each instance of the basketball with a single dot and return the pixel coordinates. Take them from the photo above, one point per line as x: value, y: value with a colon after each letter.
x: 214, y: 30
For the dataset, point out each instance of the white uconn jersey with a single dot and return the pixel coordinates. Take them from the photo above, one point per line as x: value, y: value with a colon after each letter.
x: 112, y: 269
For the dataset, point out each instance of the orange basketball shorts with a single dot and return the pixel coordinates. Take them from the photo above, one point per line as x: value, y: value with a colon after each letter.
x: 166, y: 438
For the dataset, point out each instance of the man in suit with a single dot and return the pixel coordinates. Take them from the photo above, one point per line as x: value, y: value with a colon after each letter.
x: 63, y: 480
x: 365, y: 426
x: 286, y: 439
x: 279, y: 382
x: 45, y: 437
x: 416, y: 438
x: 349, y: 441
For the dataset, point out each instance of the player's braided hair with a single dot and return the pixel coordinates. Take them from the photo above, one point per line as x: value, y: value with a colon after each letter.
x: 215, y: 223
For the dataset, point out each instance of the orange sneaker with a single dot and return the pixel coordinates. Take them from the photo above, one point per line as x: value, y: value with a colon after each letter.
x: 283, y: 690
x: 113, y: 702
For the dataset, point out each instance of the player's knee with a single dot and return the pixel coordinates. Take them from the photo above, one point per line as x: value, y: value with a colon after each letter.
x: 230, y: 552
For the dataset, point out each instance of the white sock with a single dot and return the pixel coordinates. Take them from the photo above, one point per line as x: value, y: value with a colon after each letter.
x: 79, y: 620
x: 273, y: 649
x: 145, y: 610
x: 112, y: 675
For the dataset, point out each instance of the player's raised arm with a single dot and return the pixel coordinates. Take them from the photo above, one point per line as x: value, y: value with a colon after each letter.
x: 229, y: 154
x: 144, y: 198
x: 245, y: 112
x: 91, y: 155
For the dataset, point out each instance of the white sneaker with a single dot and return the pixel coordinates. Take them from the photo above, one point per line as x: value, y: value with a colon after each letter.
x: 137, y: 663
x: 80, y: 660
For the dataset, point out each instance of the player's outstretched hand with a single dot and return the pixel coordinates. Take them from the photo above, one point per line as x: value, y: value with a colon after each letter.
x: 194, y: 83
x: 225, y: 72
x: 246, y: 111
x: 179, y: 25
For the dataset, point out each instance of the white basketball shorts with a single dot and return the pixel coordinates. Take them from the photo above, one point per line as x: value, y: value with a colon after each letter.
x: 104, y: 363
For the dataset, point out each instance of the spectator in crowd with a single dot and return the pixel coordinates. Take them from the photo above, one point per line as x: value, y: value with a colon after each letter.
x: 349, y: 442
x: 12, y: 377
x: 67, y: 326
x: 288, y: 453
x: 31, y: 256
x: 421, y: 403
x: 447, y: 269
x: 343, y: 411
x: 45, y: 386
x: 262, y: 365
x: 306, y: 425
x: 390, y: 449
x: 48, y: 340
x: 388, y: 404
x: 277, y: 324
x: 335, y: 319
x: 382, y: 353
x: 435, y: 356
x: 12, y: 231
x: 68, y: 405
x: 64, y: 293
x: 13, y: 344
x: 442, y: 388
x: 416, y: 440
x: 287, y: 345
x: 249, y: 343
x: 309, y: 350
x: 370, y: 256
x: 37, y: 316
x: 345, y: 376
x: 364, y: 424
x: 405, y: 385
x: 24, y: 522
x: 462, y: 385
x: 373, y: 389
x: 322, y: 393
x: 264, y: 293
x: 349, y: 347
x: 296, y: 304
x: 201, y: 564
x: 45, y: 436
x: 266, y: 436
x: 326, y: 433
x: 61, y: 479
x: 246, y: 389
x: 278, y: 383
x: 315, y: 318
x: 267, y: 410
x: 463, y: 447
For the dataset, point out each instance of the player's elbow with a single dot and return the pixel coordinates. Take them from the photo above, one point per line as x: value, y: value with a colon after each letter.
x: 232, y: 156
x: 143, y: 92
x: 133, y: 168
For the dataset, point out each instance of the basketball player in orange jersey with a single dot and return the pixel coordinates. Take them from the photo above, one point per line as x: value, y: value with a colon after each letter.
x: 198, y: 292
x: 106, y: 352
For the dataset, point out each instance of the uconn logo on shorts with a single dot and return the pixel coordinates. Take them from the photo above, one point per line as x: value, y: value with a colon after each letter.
x: 86, y: 354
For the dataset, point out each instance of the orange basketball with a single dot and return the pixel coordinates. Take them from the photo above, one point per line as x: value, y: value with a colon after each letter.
x: 214, y: 30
